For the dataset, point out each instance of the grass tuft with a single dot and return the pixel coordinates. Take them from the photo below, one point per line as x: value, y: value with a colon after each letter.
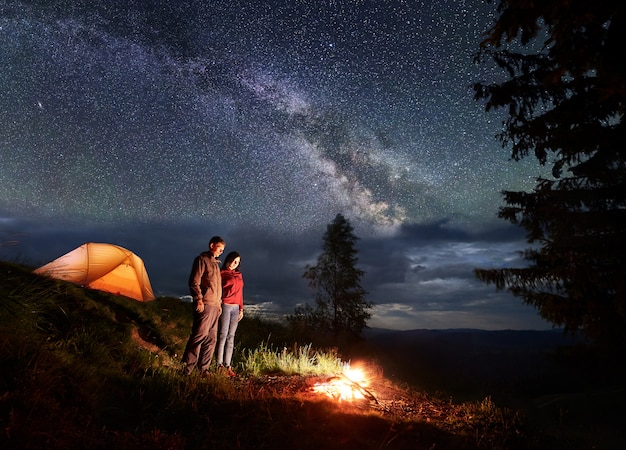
x: 301, y: 360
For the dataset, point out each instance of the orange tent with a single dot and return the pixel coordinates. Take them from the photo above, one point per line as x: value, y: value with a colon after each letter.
x: 105, y: 267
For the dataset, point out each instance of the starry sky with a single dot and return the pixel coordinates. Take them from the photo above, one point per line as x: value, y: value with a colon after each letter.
x: 155, y: 125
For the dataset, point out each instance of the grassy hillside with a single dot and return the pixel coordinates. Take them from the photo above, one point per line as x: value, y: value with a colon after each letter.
x: 85, y: 369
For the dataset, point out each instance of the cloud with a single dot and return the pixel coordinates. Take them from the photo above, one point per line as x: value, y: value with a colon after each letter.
x: 421, y: 278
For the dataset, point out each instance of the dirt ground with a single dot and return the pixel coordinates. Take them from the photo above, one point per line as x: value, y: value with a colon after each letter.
x: 378, y: 394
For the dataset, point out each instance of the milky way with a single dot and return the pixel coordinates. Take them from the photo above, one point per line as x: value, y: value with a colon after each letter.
x: 277, y: 113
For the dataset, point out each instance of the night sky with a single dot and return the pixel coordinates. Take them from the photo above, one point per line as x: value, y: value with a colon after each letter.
x: 155, y: 124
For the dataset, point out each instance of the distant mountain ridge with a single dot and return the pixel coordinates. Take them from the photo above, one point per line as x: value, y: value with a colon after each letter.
x: 475, y: 359
x: 474, y: 337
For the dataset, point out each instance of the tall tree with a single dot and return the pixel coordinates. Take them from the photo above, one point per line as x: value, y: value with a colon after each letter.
x: 340, y: 300
x: 565, y: 91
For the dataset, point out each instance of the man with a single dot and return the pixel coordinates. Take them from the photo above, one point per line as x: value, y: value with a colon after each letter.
x: 205, y: 284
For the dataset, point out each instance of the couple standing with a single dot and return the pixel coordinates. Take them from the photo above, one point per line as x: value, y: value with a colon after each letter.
x: 217, y: 297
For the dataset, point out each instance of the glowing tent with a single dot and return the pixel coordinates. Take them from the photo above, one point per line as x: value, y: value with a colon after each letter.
x: 105, y: 267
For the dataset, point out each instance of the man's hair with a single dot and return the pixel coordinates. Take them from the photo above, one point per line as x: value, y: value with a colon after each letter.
x: 216, y: 240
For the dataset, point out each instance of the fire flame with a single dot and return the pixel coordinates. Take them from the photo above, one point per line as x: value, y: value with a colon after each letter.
x: 349, y: 386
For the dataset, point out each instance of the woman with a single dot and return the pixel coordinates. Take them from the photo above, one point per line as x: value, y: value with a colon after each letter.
x: 232, y: 310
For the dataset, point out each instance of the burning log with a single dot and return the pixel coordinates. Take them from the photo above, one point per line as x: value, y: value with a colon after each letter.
x: 356, y: 386
x: 346, y: 386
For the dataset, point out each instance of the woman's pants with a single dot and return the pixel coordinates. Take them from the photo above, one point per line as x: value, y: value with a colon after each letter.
x: 228, y: 326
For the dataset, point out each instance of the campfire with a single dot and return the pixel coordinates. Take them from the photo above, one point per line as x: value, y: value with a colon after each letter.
x: 350, y: 385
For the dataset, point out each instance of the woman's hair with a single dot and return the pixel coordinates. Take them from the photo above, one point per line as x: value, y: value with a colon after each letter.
x: 229, y: 258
